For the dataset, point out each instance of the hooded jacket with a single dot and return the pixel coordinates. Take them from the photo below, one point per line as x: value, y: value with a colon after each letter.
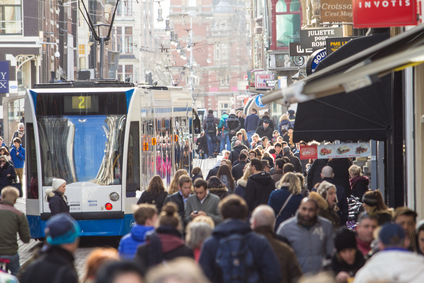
x: 271, y: 123
x: 58, y: 202
x: 359, y: 186
x: 18, y: 156
x: 338, y: 265
x: 277, y: 200
x: 262, y: 132
x: 219, y: 192
x: 233, y: 124
x: 222, y: 122
x: 235, y: 153
x: 265, y: 260
x: 325, y: 211
x: 130, y: 242
x: 258, y: 189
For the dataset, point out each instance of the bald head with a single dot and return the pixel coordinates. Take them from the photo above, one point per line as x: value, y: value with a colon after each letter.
x: 237, y: 143
x: 327, y: 172
x: 309, y: 200
x: 263, y: 215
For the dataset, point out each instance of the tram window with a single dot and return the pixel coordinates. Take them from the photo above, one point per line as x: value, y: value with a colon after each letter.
x: 32, y: 172
x: 133, y: 162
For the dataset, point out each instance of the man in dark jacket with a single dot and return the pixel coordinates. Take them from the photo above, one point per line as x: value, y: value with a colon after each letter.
x: 234, y: 212
x: 233, y: 124
x: 328, y: 175
x: 180, y: 197
x: 293, y: 159
x: 314, y: 173
x: 7, y: 173
x: 265, y: 117
x: 279, y: 163
x: 241, y: 118
x: 251, y: 124
x: 237, y: 170
x: 209, y: 126
x: 259, y: 185
x: 238, y: 147
x: 57, y: 264
x: 202, y: 146
x: 12, y: 221
x: 264, y: 130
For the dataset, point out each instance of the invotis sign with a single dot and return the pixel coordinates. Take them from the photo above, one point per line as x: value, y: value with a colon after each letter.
x: 336, y: 10
x: 386, y: 13
x: 315, y: 38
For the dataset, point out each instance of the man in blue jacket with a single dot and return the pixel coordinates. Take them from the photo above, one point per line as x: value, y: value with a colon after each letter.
x: 145, y: 218
x: 18, y: 157
x: 233, y: 210
x: 250, y: 124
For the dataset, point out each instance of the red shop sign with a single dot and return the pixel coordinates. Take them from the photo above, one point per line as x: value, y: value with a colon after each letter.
x: 384, y: 13
x: 308, y: 152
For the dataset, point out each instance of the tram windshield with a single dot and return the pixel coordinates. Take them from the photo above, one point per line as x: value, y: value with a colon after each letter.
x: 82, y: 148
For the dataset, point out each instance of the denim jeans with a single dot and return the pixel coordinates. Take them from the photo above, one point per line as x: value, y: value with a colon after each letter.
x: 225, y: 141
x: 13, y: 265
x: 249, y: 136
x: 211, y: 143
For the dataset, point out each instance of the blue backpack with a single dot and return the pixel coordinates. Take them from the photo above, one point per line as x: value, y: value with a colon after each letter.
x: 236, y: 261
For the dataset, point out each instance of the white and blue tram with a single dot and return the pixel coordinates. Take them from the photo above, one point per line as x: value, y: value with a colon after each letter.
x: 106, y: 139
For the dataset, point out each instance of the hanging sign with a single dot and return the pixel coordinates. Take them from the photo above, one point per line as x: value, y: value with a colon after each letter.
x: 335, y: 43
x: 4, y: 76
x: 344, y: 150
x: 315, y: 38
x: 336, y: 11
x: 264, y: 81
x: 296, y: 50
x: 314, y: 60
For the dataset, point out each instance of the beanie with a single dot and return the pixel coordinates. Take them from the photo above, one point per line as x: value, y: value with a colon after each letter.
x: 391, y: 233
x: 62, y: 229
x: 344, y: 239
x: 56, y: 183
x: 323, y: 189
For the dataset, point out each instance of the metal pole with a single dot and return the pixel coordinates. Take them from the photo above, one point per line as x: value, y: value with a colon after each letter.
x: 102, y: 46
x: 409, y: 139
x: 191, y: 87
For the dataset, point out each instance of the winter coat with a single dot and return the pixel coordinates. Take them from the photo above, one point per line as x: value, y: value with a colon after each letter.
x: 18, y: 159
x: 392, y: 265
x: 270, y: 161
x: 237, y: 170
x: 202, y: 144
x: 177, y: 198
x: 233, y: 124
x: 215, y: 121
x: 213, y: 172
x: 17, y: 135
x: 12, y: 221
x: 359, y: 186
x: 220, y: 192
x: 311, y: 245
x: 55, y: 265
x: 258, y: 189
x: 228, y: 183
x: 195, y: 177
x: 7, y: 169
x: 58, y: 202
x: 130, y: 242
x: 241, y: 119
x: 271, y: 123
x: 314, y: 173
x: 163, y: 245
x: 277, y: 176
x: 251, y: 122
x: 325, y: 210
x: 338, y: 265
x: 235, y: 153
x: 289, y: 267
x: 277, y: 200
x: 223, y: 122
x: 295, y: 162
x: 341, y: 172
x: 241, y: 188
x: 209, y: 206
x: 341, y: 202
x: 148, y: 197
x: 262, y: 132
x: 266, y: 262
x: 284, y: 123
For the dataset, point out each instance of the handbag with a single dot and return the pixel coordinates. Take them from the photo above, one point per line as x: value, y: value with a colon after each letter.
x: 284, y: 205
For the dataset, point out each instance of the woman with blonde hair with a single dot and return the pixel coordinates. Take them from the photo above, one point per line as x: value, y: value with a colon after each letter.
x: 197, y: 233
x: 358, y: 183
x: 326, y: 197
x: 286, y: 200
x: 155, y: 193
x: 373, y: 204
x: 173, y: 188
x: 95, y: 260
x: 284, y: 124
x: 245, y: 139
x: 242, y: 182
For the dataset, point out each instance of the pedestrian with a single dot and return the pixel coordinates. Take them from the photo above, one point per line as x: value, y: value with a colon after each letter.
x: 326, y: 197
x: 284, y: 124
x: 57, y: 262
x: 174, y: 187
x: 182, y: 195
x: 365, y: 226
x: 347, y: 260
x: 341, y: 172
x: 266, y: 117
x: 165, y: 243
x: 95, y: 260
x: 293, y: 159
x: 216, y: 187
x: 358, y: 183
x: 262, y: 222
x: 238, y: 147
x: 259, y: 186
x: 245, y: 138
x: 58, y: 202
x: 20, y: 133
x: 186, y: 158
x: 311, y: 236
x: 202, y: 203
x: 420, y: 236
x: 268, y: 157
x: 292, y: 116
x: 242, y: 182
x: 407, y: 219
x: 155, y: 193
x: 2, y: 144
x: 197, y: 233
x: 241, y: 118
x: 237, y: 170
x: 145, y: 217
x: 224, y: 174
x: 181, y: 270
x: 234, y: 250
x: 7, y: 172
x: 12, y: 222
x: 225, y: 141
x: 251, y: 123
x: 209, y: 126
x: 119, y: 272
x: 285, y: 200
x: 256, y: 141
x: 314, y: 173
x: 232, y: 124
x: 196, y: 173
x: 278, y: 174
x: 17, y: 154
x: 264, y: 130
x: 393, y: 263
x: 4, y: 151
x: 275, y: 136
x: 373, y: 204
x: 202, y: 146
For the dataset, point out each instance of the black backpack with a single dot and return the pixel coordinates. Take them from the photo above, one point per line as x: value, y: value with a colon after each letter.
x: 210, y: 126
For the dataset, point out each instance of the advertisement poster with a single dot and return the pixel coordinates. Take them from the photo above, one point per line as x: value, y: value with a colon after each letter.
x: 344, y: 150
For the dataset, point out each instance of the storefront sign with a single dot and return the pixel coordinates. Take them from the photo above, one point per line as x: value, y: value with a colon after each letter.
x: 384, y: 13
x: 4, y: 76
x: 335, y: 43
x: 297, y: 50
x: 344, y: 150
x: 336, y: 11
x: 315, y: 38
x: 264, y: 81
x: 314, y: 60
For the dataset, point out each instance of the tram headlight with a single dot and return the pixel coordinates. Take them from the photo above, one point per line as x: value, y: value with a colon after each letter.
x: 114, y: 196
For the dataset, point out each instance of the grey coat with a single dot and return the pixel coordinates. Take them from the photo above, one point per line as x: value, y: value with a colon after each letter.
x: 312, y: 246
x: 209, y: 205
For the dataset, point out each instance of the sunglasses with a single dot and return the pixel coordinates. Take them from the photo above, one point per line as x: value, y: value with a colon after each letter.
x: 2, y: 161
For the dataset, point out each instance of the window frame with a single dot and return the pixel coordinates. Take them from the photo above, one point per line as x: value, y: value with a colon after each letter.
x: 274, y: 21
x: 17, y: 22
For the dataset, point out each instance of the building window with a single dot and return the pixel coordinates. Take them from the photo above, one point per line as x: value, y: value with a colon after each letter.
x: 82, y: 63
x: 286, y: 19
x: 125, y: 8
x: 81, y: 49
x: 221, y: 51
x: 117, y: 40
x: 120, y: 73
x: 11, y: 17
x: 129, y: 72
x: 224, y: 80
x: 128, y: 40
x: 191, y: 3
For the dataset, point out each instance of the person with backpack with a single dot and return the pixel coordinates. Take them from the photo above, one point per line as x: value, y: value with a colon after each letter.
x: 209, y: 126
x: 236, y: 254
x: 224, y: 132
x: 233, y: 125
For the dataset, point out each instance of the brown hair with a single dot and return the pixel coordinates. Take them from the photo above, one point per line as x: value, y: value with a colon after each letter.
x: 228, y: 163
x: 156, y: 185
x: 143, y: 212
x: 184, y: 179
x: 169, y: 215
x: 196, y: 171
x: 6, y: 152
x: 200, y: 183
x: 96, y: 259
x: 173, y: 187
x: 403, y: 210
x: 233, y: 206
x: 224, y: 170
x: 377, y: 197
x: 252, y: 151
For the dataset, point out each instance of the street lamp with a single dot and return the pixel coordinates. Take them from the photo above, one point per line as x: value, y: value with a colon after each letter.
x: 167, y: 27
x: 160, y: 18
x: 179, y: 48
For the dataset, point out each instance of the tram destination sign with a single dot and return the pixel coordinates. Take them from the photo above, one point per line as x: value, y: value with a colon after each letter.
x: 315, y: 38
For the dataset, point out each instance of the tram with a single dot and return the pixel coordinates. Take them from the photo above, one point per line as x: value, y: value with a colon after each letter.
x: 106, y: 139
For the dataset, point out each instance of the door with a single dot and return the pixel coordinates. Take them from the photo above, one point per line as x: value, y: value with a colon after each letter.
x: 13, y: 114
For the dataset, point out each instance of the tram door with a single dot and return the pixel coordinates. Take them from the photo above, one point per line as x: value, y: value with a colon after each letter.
x: 164, y: 150
x: 13, y: 114
x: 183, y: 147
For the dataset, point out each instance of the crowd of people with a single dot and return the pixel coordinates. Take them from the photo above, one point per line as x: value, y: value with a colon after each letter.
x: 259, y: 215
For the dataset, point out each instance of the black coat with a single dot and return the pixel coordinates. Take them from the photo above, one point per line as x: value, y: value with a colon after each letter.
x: 341, y: 172
x: 202, y: 143
x: 295, y: 162
x: 237, y: 171
x: 177, y: 198
x: 259, y: 187
x: 233, y: 124
x: 338, y: 265
x: 342, y: 202
x: 265, y: 132
x: 234, y: 155
x: 241, y: 119
x: 56, y: 265
x: 58, y: 202
x: 148, y: 197
x: 4, y: 171
x: 212, y: 172
x: 271, y: 123
x: 314, y: 173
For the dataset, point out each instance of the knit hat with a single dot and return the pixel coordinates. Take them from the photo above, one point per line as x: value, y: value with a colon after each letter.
x: 232, y: 111
x: 56, y: 183
x: 391, y: 233
x: 62, y: 229
x: 323, y: 189
x: 345, y: 239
